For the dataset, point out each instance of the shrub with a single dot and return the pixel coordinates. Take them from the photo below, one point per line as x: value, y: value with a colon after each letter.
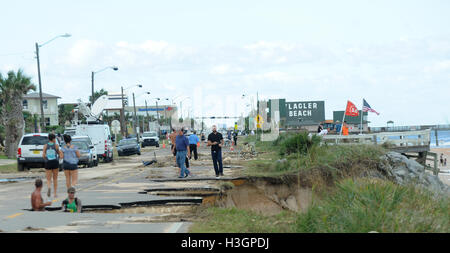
x: 299, y: 143
x: 366, y: 205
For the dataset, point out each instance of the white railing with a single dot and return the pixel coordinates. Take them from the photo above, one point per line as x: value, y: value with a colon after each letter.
x: 419, y: 138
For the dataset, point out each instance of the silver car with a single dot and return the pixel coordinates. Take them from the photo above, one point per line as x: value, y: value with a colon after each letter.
x: 88, y: 140
x: 87, y: 156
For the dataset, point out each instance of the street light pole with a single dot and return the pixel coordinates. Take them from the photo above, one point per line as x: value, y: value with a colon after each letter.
x: 146, y: 111
x: 92, y: 98
x: 122, y: 116
x: 157, y: 111
x: 39, y: 77
x: 92, y: 79
x: 40, y: 89
x: 135, y: 120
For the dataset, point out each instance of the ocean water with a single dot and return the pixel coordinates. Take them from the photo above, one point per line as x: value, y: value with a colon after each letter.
x: 443, y: 139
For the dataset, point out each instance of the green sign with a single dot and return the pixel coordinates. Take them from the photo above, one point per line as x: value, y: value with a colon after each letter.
x: 305, y: 113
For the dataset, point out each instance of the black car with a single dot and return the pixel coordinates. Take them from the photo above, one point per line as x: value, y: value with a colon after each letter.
x: 128, y: 147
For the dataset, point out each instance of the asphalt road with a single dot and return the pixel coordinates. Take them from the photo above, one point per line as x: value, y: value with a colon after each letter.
x: 113, y: 184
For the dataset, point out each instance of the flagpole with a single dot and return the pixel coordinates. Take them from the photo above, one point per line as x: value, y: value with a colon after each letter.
x: 362, y: 114
x: 343, y: 118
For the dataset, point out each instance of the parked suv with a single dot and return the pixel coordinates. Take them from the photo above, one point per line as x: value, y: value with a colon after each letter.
x: 29, y: 151
x: 150, y: 139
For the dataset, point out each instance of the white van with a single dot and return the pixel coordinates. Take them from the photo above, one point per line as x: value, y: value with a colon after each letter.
x: 101, y: 139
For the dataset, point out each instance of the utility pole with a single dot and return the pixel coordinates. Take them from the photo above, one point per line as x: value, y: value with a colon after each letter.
x: 135, y: 120
x: 157, y: 118
x: 157, y: 111
x: 92, y: 80
x: 122, y: 116
x: 146, y: 110
x: 40, y: 90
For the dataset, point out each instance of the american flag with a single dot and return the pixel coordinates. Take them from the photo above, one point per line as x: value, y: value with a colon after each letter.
x: 367, y: 108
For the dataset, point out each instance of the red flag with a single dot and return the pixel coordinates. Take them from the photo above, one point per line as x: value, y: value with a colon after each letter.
x: 351, y: 110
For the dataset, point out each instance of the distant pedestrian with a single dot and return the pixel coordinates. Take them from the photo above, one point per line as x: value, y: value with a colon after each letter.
x: 235, y: 137
x: 172, y: 138
x: 51, y: 154
x: 345, y: 128
x: 320, y: 128
x: 338, y: 126
x: 215, y: 140
x: 323, y: 132
x: 442, y: 159
x: 37, y: 203
x: 59, y: 138
x: 71, y: 204
x: 203, y: 137
x: 70, y: 155
x: 182, y: 151
x: 193, y: 141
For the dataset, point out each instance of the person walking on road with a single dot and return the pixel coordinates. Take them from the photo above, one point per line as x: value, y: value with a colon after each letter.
x: 235, y: 137
x: 37, y: 204
x: 51, y: 154
x: 173, y: 137
x: 193, y: 141
x: 182, y: 150
x: 215, y: 140
x: 70, y: 155
x: 71, y: 204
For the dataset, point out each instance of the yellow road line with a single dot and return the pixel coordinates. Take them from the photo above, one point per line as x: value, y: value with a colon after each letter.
x: 14, y: 215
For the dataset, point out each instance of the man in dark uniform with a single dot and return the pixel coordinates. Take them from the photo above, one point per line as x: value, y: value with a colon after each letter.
x: 215, y: 140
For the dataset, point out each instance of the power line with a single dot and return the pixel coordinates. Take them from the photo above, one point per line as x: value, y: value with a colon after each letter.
x: 14, y: 54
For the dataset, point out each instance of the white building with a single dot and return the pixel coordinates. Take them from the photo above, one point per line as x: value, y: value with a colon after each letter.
x: 31, y: 104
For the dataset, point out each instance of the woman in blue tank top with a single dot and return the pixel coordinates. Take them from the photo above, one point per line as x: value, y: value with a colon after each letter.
x: 70, y: 155
x: 51, y: 153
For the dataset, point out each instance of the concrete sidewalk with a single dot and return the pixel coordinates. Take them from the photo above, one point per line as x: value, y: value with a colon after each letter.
x: 7, y: 161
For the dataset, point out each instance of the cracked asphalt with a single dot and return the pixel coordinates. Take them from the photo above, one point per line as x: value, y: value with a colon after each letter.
x: 121, y: 182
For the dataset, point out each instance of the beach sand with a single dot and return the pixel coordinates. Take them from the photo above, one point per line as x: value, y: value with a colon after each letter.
x: 445, y: 170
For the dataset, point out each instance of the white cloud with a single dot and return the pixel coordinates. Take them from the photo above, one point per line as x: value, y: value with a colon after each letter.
x: 83, y: 51
x: 437, y: 67
x: 272, y: 76
x: 225, y: 69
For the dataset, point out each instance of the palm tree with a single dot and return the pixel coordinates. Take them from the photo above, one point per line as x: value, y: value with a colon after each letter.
x: 12, y: 89
x: 98, y: 94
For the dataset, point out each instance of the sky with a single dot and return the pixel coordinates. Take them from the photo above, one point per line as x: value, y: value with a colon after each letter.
x: 207, y: 54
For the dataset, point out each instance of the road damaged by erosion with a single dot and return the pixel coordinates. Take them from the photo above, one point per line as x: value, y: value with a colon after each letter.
x: 122, y: 196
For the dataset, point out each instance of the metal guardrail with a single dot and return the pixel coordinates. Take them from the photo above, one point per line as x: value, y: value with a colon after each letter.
x: 420, y: 138
x: 419, y: 143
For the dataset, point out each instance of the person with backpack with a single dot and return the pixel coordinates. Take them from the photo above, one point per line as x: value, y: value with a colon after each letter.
x: 70, y: 156
x: 71, y: 204
x: 51, y: 154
